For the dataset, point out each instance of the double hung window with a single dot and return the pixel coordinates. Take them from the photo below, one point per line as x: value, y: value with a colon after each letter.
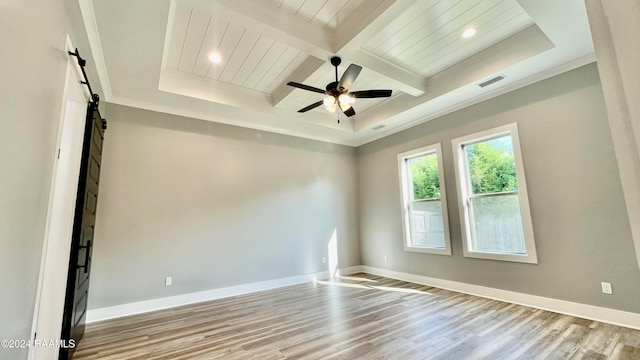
x: 424, y: 206
x: 492, y: 193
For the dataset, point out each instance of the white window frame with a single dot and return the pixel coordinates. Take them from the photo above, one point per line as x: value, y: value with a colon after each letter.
x: 464, y: 194
x: 405, y: 199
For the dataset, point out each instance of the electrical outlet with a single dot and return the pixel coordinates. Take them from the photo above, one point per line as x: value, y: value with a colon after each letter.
x: 606, y: 288
x: 167, y: 281
x: 324, y: 260
x: 386, y: 259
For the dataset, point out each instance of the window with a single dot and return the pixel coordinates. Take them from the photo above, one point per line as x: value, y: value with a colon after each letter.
x: 424, y: 206
x: 494, y: 208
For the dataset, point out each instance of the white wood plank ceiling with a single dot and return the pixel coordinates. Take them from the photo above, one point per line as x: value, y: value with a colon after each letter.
x: 249, y: 59
x: 412, y: 47
x: 325, y: 14
x: 426, y: 38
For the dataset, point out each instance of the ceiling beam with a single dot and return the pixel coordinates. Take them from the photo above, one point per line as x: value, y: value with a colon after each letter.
x: 308, y: 67
x: 367, y: 23
x: 400, y: 78
x: 201, y: 87
x: 351, y: 36
x: 266, y: 19
x: 347, y: 41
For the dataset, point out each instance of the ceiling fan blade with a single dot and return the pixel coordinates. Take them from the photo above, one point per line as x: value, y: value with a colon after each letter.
x: 369, y: 94
x: 305, y: 87
x: 312, y: 106
x: 349, y: 77
x: 349, y: 112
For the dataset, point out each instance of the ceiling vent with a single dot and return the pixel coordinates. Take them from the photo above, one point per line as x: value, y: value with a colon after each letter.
x: 378, y: 127
x: 492, y: 80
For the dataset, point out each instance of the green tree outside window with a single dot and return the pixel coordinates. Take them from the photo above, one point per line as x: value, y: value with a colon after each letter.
x: 492, y: 168
x: 424, y: 176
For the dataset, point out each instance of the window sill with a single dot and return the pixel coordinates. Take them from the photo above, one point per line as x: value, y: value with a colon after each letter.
x: 524, y: 258
x: 425, y: 250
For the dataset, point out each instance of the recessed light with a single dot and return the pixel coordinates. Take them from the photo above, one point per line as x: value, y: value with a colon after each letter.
x: 469, y: 33
x: 215, y: 58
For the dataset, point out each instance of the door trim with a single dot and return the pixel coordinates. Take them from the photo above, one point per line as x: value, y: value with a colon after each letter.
x: 50, y: 297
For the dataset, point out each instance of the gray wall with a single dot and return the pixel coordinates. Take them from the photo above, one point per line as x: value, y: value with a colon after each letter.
x: 213, y: 206
x: 32, y: 76
x: 581, y: 229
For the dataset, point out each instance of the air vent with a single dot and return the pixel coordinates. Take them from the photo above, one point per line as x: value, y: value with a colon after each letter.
x: 492, y: 81
x: 378, y: 127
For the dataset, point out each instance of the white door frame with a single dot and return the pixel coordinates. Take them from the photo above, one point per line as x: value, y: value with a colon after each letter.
x: 54, y: 264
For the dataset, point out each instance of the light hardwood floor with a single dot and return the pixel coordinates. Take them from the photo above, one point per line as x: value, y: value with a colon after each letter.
x: 356, y: 317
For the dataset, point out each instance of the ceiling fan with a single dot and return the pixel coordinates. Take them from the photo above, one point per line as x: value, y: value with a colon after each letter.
x: 338, y: 95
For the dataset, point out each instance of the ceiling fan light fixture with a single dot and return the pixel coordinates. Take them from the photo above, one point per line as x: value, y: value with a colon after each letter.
x: 345, y: 99
x: 329, y: 101
x: 337, y: 93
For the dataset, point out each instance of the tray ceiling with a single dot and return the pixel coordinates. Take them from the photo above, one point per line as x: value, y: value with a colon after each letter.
x: 157, y: 55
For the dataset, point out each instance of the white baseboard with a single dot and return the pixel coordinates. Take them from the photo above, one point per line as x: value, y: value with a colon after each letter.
x: 140, y: 307
x: 350, y: 270
x: 596, y: 313
x: 606, y: 315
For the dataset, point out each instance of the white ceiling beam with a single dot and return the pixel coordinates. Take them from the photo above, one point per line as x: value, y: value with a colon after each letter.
x: 295, y: 32
x: 308, y: 67
x: 200, y: 87
x: 400, y: 78
x: 351, y: 36
x: 347, y: 41
x: 266, y: 19
x: 367, y: 23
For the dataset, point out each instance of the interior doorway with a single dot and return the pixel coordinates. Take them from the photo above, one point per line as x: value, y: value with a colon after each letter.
x: 47, y: 322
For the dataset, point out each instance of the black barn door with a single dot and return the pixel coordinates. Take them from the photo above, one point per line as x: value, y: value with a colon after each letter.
x: 75, y: 307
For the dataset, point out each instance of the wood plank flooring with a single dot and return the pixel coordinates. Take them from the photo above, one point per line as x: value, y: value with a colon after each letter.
x: 359, y: 316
